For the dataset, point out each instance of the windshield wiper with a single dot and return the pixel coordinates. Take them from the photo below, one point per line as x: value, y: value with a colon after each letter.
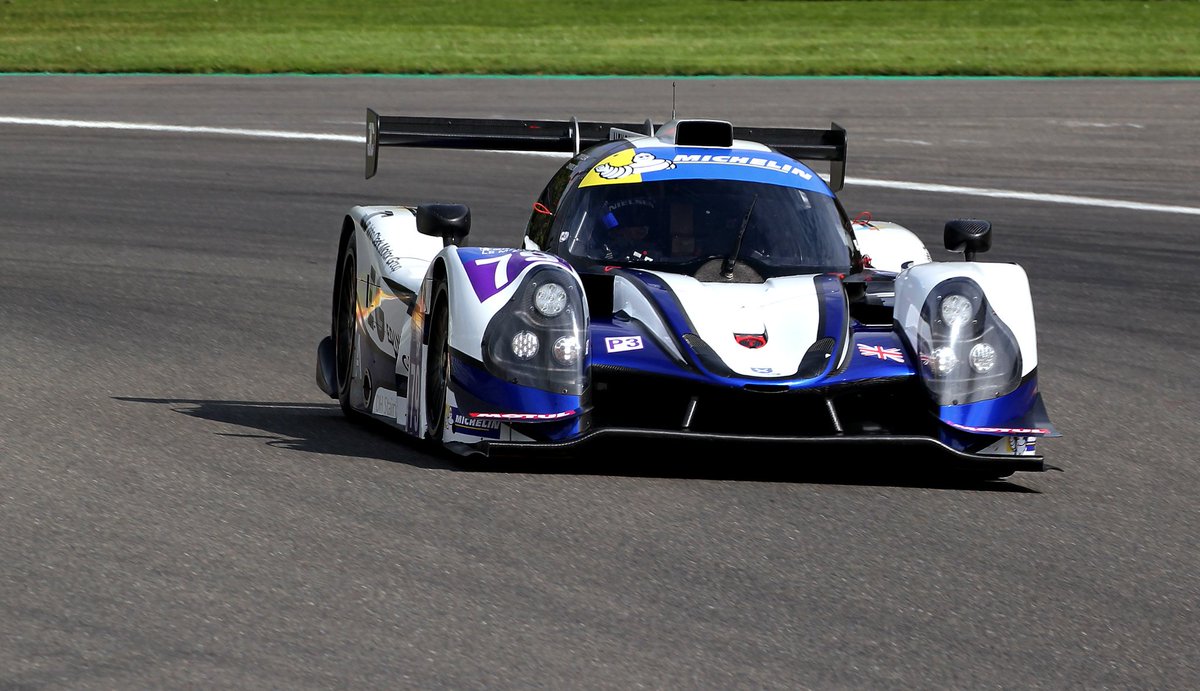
x: 731, y: 260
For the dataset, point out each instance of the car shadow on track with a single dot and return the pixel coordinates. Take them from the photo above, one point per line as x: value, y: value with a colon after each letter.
x: 785, y: 468
x: 321, y: 428
x: 311, y: 427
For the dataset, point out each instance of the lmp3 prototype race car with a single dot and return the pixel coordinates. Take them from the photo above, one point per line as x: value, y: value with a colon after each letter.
x: 690, y: 281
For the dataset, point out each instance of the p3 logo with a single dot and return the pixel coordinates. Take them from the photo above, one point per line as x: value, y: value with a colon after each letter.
x: 621, y: 344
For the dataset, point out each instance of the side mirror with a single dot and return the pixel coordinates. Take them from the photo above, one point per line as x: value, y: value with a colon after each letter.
x: 450, y: 222
x: 968, y: 235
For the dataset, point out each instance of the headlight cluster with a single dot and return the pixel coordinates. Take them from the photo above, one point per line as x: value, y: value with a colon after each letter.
x: 539, y: 338
x: 967, y: 353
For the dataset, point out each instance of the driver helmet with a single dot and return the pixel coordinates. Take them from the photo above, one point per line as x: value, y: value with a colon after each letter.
x: 631, y: 230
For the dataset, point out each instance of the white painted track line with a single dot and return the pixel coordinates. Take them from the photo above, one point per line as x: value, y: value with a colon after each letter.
x: 850, y: 181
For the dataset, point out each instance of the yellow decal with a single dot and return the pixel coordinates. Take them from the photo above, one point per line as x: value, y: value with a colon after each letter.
x: 625, y: 166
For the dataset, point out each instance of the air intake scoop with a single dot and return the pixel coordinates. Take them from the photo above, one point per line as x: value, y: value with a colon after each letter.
x: 715, y: 133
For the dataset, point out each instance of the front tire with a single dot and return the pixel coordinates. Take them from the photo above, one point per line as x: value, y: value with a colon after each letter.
x: 437, y: 368
x: 345, y: 323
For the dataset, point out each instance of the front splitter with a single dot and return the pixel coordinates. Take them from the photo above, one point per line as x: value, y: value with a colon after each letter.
x: 910, y: 446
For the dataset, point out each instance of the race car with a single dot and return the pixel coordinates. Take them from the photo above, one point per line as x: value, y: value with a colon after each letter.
x: 680, y: 282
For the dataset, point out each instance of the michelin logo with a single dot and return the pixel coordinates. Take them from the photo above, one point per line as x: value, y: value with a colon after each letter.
x: 749, y: 161
x: 477, y: 427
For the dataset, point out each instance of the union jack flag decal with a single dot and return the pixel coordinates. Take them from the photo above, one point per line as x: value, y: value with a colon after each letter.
x: 880, y: 352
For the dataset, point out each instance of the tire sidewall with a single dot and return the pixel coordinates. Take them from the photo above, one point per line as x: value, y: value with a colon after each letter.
x: 437, y: 381
x: 346, y: 309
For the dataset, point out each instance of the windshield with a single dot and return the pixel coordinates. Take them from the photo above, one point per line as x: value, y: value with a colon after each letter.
x: 677, y: 225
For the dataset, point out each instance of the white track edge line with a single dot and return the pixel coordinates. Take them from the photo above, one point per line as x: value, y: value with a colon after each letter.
x: 864, y: 182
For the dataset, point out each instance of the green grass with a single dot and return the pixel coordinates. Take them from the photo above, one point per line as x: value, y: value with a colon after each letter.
x: 697, y: 37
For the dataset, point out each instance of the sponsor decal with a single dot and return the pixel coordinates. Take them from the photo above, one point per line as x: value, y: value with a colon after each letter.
x: 620, y: 344
x: 751, y: 341
x: 636, y: 166
x: 493, y: 273
x: 642, y: 162
x: 1022, y: 446
x: 762, y: 370
x: 748, y: 161
x: 523, y: 416
x: 475, y: 426
x: 375, y: 320
x: 877, y: 351
x: 381, y: 245
x: 1012, y: 446
x: 625, y: 166
x: 1000, y: 430
x: 384, y: 403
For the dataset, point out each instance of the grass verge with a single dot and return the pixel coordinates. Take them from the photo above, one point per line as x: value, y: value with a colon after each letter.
x: 632, y: 37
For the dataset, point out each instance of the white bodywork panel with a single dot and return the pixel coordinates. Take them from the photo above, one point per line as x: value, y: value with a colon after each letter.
x: 785, y: 309
x: 889, y: 245
x: 631, y: 301
x: 1005, y: 285
x: 400, y: 253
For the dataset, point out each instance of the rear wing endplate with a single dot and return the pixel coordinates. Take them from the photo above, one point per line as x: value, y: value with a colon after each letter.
x: 805, y: 144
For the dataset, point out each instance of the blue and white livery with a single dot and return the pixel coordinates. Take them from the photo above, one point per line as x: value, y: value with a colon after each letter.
x: 685, y: 282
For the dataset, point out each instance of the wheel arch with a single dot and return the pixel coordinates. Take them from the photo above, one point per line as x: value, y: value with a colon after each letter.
x: 437, y: 274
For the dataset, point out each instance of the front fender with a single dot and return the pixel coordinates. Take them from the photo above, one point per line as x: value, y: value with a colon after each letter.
x: 970, y: 395
x: 489, y: 296
x: 1005, y: 286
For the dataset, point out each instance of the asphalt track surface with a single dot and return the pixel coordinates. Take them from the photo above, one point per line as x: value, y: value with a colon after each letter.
x: 181, y: 506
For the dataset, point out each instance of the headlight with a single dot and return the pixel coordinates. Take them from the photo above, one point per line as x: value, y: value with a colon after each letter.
x: 525, y: 344
x: 566, y: 349
x: 983, y: 358
x: 539, y: 337
x: 943, y: 360
x: 957, y: 310
x: 969, y: 354
x: 550, y: 299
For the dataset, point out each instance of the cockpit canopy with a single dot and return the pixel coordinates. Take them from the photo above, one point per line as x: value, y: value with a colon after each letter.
x: 679, y: 224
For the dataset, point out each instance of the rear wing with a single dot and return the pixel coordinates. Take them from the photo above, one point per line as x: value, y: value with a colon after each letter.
x: 568, y: 136
x: 572, y: 136
x: 805, y: 144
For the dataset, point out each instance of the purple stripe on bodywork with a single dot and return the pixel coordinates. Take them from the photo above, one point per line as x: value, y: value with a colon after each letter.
x: 492, y: 270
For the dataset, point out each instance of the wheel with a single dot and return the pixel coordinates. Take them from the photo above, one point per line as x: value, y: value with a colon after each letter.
x: 437, y: 368
x: 345, y: 313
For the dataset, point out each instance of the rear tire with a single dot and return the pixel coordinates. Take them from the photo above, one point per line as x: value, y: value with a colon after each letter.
x: 437, y: 368
x: 345, y: 322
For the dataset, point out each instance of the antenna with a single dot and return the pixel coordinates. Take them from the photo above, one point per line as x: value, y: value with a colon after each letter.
x: 672, y: 100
